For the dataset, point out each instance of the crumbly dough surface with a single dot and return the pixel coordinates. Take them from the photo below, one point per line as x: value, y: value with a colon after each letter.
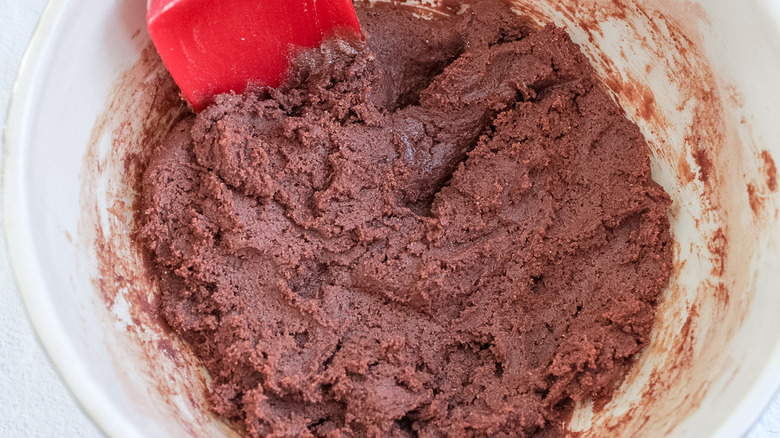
x: 446, y: 230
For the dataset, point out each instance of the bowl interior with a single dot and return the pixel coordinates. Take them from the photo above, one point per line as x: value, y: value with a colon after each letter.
x: 692, y: 75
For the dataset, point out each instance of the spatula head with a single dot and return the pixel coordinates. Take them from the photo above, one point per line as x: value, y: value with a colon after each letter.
x: 216, y: 46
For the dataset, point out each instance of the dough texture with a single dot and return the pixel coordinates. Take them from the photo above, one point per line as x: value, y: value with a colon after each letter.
x: 448, y: 229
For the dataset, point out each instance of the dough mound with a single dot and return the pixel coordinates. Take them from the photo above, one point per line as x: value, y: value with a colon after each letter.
x: 448, y: 229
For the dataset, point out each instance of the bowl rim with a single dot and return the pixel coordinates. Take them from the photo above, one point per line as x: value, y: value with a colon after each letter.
x: 48, y: 327
x: 27, y: 271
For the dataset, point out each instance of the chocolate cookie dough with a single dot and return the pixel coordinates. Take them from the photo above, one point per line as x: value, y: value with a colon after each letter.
x: 448, y: 229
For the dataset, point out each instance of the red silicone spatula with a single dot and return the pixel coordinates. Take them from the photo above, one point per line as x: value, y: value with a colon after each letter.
x: 215, y: 46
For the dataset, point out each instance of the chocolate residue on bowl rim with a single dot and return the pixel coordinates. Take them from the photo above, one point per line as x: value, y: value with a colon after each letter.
x: 136, y: 336
x: 770, y: 170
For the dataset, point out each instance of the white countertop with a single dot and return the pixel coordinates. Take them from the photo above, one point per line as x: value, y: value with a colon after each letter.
x: 33, y: 400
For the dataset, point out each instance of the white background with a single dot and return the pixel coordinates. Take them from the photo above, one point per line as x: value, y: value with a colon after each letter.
x: 33, y: 401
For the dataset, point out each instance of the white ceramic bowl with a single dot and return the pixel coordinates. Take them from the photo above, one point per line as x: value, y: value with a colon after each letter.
x: 700, y: 79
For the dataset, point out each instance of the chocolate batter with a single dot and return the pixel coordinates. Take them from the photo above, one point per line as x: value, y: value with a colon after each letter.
x: 446, y: 230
